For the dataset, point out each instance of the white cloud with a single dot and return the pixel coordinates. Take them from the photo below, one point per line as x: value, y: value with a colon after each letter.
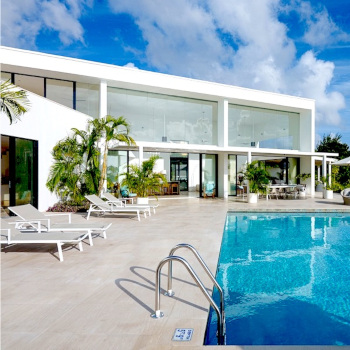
x: 23, y: 20
x: 320, y: 28
x: 242, y: 43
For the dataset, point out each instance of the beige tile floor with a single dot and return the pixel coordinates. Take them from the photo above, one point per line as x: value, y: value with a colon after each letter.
x: 102, y: 298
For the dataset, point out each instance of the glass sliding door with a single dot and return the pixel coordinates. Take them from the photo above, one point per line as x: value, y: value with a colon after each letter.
x: 179, y: 171
x: 208, y: 169
x: 232, y: 175
x: 19, y: 171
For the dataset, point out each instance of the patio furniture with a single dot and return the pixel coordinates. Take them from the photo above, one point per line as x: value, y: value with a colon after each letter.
x: 346, y: 196
x: 32, y: 218
x: 100, y: 206
x: 209, y: 189
x: 122, y: 202
x: 11, y: 235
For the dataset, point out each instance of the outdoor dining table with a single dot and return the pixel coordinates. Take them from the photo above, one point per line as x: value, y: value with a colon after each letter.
x: 282, y: 186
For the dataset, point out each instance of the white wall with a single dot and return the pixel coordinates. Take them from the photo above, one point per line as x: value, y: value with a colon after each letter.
x: 46, y: 122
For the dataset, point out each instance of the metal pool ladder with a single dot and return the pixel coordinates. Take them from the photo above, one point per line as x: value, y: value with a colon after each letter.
x: 220, y: 312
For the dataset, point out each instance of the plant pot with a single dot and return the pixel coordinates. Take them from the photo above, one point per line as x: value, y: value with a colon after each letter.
x: 252, y: 198
x: 142, y: 200
x: 328, y: 194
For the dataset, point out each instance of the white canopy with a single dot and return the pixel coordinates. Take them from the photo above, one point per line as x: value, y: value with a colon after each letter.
x: 345, y: 161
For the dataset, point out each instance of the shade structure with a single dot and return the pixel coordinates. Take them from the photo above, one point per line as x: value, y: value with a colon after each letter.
x: 345, y: 162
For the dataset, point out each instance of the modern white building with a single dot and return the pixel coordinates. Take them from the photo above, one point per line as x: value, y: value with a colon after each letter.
x: 202, y: 131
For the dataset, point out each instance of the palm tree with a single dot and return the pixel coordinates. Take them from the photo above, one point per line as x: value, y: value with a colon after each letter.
x: 142, y: 179
x: 13, y: 101
x: 110, y: 129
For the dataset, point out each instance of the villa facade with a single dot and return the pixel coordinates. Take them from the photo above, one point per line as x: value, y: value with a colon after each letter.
x: 202, y: 131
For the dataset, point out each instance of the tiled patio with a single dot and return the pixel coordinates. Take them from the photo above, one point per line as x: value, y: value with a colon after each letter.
x: 102, y: 298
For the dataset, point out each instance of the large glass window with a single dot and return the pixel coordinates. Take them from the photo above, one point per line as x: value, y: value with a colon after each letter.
x: 87, y: 99
x: 30, y: 83
x: 60, y: 91
x: 162, y: 118
x: 264, y: 128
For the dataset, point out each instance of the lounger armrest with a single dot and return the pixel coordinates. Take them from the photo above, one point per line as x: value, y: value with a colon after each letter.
x: 32, y: 223
x: 58, y: 214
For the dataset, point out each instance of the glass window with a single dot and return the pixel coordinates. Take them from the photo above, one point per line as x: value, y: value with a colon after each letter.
x: 30, y: 83
x: 264, y: 128
x: 87, y: 99
x: 5, y: 76
x: 60, y: 91
x: 117, y: 162
x: 163, y: 118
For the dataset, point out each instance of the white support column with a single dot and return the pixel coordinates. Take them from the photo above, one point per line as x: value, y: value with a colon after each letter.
x: 222, y: 123
x: 318, y: 173
x: 249, y: 160
x: 330, y: 173
x: 223, y: 175
x: 103, y: 99
x: 140, y: 155
x: 324, y: 166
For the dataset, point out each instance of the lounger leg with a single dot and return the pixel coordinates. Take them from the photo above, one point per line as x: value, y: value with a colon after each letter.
x: 104, y: 234
x: 80, y: 245
x: 59, y: 248
x: 138, y: 215
x: 88, y: 215
x: 90, y: 238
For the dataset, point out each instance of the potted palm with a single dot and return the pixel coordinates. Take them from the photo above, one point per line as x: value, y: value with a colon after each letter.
x: 258, y: 179
x: 143, y: 180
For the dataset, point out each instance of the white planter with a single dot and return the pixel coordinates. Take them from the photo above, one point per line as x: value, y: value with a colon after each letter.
x: 142, y: 200
x: 252, y: 198
x: 327, y: 194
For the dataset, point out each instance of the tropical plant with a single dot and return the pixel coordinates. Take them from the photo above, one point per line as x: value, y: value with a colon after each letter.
x: 110, y: 129
x: 13, y: 101
x: 332, y: 144
x: 258, y: 178
x: 75, y: 171
x: 142, y: 180
x: 303, y: 176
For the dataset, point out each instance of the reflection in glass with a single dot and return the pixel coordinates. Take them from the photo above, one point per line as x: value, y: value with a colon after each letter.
x: 163, y: 118
x: 209, y: 182
x: 24, y: 180
x: 60, y: 91
x: 264, y: 128
x: 87, y: 99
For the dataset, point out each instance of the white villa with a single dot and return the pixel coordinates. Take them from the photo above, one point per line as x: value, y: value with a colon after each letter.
x: 202, y: 131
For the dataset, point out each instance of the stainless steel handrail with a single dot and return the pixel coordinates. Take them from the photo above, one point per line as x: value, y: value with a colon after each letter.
x: 170, y: 291
x: 158, y: 313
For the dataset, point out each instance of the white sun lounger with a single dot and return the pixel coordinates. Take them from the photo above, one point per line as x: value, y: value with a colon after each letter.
x: 122, y: 202
x: 38, y: 221
x: 100, y: 206
x: 11, y: 235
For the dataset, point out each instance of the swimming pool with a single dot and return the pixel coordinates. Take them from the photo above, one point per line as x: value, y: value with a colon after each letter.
x: 286, y: 279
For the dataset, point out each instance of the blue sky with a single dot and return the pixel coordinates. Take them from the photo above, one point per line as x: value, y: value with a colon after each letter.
x: 294, y: 47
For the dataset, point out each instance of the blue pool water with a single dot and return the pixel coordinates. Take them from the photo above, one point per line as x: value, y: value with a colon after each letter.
x: 286, y: 279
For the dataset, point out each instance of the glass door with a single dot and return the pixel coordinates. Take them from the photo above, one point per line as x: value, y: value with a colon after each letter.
x: 19, y: 171
x: 232, y: 175
x: 179, y: 171
x: 208, y: 169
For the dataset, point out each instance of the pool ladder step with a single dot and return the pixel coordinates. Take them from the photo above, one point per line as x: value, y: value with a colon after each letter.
x: 220, y: 311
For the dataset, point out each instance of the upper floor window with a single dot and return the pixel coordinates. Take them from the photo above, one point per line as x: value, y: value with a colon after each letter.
x: 164, y: 118
x: 264, y: 128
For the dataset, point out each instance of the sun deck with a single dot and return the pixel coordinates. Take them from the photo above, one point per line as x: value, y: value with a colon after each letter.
x: 102, y: 298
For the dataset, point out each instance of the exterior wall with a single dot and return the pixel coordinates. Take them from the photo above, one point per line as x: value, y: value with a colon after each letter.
x: 49, y: 122
x: 46, y: 122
